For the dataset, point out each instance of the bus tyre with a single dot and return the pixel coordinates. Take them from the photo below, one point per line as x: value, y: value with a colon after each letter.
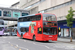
x: 34, y: 38
x: 22, y: 36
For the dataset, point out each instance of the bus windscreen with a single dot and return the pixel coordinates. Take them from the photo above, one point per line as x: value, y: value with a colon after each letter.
x: 49, y: 31
x: 49, y: 17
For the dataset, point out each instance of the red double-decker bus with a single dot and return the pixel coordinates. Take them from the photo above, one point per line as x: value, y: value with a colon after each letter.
x: 40, y: 27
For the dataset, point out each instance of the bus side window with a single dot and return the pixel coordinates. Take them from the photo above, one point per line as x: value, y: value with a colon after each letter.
x: 26, y: 29
x: 39, y: 30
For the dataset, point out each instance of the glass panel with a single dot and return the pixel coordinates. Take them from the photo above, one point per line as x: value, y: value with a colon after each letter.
x: 7, y: 13
x: 16, y: 14
x: 49, y: 17
x: 26, y: 29
x: 49, y: 31
x: 1, y: 28
x: 24, y: 14
x: 0, y: 13
x: 30, y: 18
x: 1, y: 23
x: 62, y: 33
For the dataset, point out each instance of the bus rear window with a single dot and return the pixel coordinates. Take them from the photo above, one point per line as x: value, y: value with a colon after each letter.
x: 30, y: 18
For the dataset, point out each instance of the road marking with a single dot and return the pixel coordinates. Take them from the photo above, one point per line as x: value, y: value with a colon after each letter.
x: 23, y: 48
x: 69, y: 47
x: 19, y: 49
x: 15, y: 46
x: 19, y: 46
x: 11, y: 45
x: 47, y: 47
x: 44, y: 46
x: 37, y: 44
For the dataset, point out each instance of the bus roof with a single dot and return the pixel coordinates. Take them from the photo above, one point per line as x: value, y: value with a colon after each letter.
x: 35, y: 14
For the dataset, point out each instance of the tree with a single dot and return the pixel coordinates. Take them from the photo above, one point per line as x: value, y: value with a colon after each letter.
x: 70, y: 21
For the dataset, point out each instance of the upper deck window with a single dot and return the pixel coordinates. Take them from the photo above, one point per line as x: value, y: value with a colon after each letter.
x: 30, y: 18
x: 49, y: 17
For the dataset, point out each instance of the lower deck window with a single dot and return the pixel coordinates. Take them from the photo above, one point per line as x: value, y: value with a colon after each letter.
x: 24, y: 29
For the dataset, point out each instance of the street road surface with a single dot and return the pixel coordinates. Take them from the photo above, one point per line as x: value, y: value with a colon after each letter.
x: 16, y: 43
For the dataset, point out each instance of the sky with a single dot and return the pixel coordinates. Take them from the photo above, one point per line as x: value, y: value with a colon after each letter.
x: 7, y: 3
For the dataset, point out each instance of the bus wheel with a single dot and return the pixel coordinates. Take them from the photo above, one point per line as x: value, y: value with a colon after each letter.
x: 21, y: 35
x: 34, y: 38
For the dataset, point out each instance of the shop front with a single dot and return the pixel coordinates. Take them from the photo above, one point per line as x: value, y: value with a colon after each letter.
x: 64, y: 29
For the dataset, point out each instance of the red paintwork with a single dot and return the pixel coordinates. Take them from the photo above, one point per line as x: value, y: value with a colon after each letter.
x: 18, y: 34
x: 40, y: 37
x: 49, y: 37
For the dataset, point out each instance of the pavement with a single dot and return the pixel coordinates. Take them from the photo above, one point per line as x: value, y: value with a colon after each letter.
x: 66, y: 40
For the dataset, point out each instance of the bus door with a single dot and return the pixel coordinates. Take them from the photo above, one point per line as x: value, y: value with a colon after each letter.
x: 39, y: 33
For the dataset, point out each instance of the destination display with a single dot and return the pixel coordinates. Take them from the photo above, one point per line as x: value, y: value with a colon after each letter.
x: 49, y: 24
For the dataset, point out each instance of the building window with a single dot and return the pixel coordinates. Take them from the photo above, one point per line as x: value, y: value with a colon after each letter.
x: 41, y: 12
x: 16, y: 14
x: 42, y: 0
x: 0, y: 13
x: 29, y: 0
x: 24, y: 14
x: 59, y: 6
x: 7, y: 13
x: 34, y: 4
